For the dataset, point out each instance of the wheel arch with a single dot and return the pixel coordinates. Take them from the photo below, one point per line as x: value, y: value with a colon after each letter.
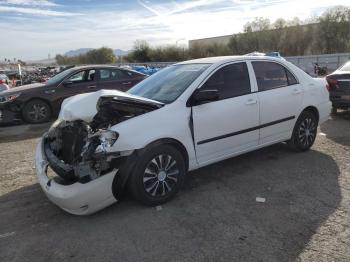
x: 119, y: 182
x: 313, y: 110
x: 173, y: 142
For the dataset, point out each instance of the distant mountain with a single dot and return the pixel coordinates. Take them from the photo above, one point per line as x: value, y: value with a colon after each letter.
x: 76, y: 52
x: 120, y: 52
x: 80, y: 51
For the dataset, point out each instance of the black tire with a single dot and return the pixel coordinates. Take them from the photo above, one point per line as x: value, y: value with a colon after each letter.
x: 151, y: 183
x: 36, y: 111
x: 304, y: 132
x: 334, y: 110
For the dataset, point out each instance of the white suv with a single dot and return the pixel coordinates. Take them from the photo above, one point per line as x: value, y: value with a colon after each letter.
x: 186, y: 116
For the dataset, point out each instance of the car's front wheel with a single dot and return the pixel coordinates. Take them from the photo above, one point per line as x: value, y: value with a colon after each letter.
x: 305, y: 131
x: 158, y: 175
x: 36, y: 111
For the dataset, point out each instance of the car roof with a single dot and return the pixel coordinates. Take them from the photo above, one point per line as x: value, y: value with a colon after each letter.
x: 225, y: 59
x: 75, y: 68
x: 95, y: 66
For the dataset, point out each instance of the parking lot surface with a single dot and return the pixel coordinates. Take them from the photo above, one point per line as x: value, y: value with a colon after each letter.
x: 216, y: 217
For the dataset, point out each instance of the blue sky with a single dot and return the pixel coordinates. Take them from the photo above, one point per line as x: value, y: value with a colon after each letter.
x: 31, y: 29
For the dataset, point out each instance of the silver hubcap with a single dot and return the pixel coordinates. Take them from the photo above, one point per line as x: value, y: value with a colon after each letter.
x: 161, y: 175
x: 37, y: 112
x: 307, y: 132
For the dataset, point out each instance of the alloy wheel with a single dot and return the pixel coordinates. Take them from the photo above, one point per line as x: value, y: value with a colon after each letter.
x: 37, y: 112
x: 160, y: 175
x: 307, y: 132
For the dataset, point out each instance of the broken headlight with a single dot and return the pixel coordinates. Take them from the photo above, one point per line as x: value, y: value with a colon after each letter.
x: 107, y: 139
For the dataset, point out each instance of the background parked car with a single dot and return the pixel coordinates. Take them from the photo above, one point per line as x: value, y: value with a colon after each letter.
x: 339, y: 87
x: 4, y: 82
x: 37, y: 103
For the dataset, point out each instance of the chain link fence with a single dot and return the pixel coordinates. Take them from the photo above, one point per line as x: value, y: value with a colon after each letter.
x: 329, y: 62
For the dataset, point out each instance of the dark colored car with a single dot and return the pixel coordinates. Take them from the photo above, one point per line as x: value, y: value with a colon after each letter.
x: 339, y: 87
x: 37, y: 103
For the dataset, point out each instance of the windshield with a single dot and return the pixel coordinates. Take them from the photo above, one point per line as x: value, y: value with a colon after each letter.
x: 59, y: 77
x: 345, y: 67
x: 169, y: 83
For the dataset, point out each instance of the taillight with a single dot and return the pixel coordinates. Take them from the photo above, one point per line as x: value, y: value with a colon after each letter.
x: 2, y: 81
x: 332, y: 83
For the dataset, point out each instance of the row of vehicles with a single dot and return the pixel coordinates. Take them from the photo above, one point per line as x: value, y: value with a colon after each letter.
x: 40, y: 102
x: 184, y: 117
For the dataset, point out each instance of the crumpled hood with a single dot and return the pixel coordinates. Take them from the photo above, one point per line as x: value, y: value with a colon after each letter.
x: 83, y: 106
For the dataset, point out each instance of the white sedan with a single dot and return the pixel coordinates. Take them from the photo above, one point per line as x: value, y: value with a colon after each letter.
x: 186, y: 116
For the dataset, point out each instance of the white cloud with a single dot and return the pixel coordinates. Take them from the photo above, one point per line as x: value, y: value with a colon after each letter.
x: 165, y: 23
x: 34, y: 11
x: 29, y: 2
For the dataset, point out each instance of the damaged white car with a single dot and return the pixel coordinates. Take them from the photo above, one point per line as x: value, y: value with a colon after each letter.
x: 184, y: 117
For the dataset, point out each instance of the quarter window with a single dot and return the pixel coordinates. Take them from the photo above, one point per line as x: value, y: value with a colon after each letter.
x: 231, y: 81
x: 271, y: 75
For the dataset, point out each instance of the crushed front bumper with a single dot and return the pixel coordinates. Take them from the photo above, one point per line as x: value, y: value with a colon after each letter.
x: 77, y: 198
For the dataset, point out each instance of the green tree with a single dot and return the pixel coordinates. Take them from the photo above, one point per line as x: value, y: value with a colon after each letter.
x: 140, y: 51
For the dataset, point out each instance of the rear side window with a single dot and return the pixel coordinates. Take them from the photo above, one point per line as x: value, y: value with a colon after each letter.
x: 271, y: 75
x: 231, y: 81
x: 115, y: 74
x: 111, y: 74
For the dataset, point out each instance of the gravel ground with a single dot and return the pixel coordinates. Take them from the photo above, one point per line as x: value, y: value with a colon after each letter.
x: 214, y: 218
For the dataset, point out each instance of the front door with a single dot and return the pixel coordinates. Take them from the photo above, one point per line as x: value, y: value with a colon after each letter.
x: 229, y: 125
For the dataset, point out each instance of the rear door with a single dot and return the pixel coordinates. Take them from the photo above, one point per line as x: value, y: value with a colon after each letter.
x: 280, y: 98
x: 229, y: 125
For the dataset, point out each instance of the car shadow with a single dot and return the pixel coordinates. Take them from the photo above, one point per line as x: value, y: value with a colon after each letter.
x: 22, y: 132
x: 214, y: 218
x: 338, y: 133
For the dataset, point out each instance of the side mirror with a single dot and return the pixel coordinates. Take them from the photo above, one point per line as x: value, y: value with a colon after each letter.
x: 67, y: 83
x: 203, y: 96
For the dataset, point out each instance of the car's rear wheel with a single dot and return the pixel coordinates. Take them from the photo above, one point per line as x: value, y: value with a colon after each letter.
x: 36, y: 111
x: 158, y: 175
x: 305, y: 131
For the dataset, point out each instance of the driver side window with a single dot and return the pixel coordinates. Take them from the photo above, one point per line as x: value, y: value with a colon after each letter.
x: 83, y: 76
x: 231, y: 81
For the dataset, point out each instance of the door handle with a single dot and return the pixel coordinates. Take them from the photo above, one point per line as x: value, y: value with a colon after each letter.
x: 91, y: 86
x: 126, y: 83
x: 296, y: 91
x: 251, y: 102
x: 50, y: 91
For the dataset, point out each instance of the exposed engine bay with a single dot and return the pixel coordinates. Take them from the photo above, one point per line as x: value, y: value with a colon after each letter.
x: 77, y: 150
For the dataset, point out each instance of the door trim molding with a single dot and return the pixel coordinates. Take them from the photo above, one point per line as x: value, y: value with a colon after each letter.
x: 245, y: 130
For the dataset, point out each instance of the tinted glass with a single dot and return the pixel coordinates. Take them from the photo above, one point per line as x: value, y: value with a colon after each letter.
x: 111, y: 74
x: 291, y: 78
x: 269, y: 75
x: 230, y: 81
x: 169, y: 83
x: 59, y: 77
x: 90, y: 75
x: 78, y: 77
